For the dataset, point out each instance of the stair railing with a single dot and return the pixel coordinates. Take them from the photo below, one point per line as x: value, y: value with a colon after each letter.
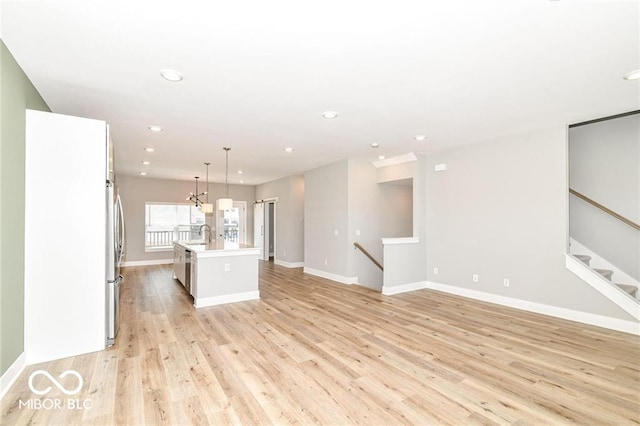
x: 366, y: 253
x: 604, y: 209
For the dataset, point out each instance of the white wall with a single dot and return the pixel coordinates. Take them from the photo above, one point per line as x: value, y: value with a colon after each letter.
x: 605, y: 166
x: 405, y: 263
x: 500, y: 211
x: 136, y: 191
x: 396, y: 211
x: 364, y: 208
x: 377, y: 210
x: 326, y: 224
x: 289, y: 238
x: 346, y: 197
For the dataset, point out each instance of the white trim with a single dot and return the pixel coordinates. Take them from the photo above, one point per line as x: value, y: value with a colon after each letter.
x: 148, y: 262
x: 401, y: 240
x: 604, y: 286
x: 405, y: 158
x: 597, y: 261
x: 330, y: 276
x: 11, y: 375
x: 554, y: 311
x: 243, y: 216
x: 403, y: 288
x: 203, y: 302
x: 289, y: 264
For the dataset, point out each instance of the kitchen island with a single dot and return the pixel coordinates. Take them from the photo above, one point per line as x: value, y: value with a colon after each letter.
x: 218, y: 272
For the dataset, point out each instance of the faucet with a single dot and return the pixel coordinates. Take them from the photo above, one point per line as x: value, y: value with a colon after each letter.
x: 209, y: 228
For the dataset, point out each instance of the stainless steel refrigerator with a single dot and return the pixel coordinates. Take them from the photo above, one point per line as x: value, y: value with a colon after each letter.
x: 114, y: 249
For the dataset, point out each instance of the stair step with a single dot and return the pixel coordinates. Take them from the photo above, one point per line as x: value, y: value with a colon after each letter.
x: 583, y: 258
x: 629, y: 289
x: 605, y: 273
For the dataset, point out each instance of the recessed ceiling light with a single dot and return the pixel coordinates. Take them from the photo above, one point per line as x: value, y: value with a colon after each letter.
x: 240, y: 172
x: 171, y: 75
x: 381, y: 157
x: 146, y: 163
x: 143, y: 173
x: 375, y: 145
x: 149, y: 149
x: 633, y: 75
x: 330, y: 114
x: 288, y: 149
x: 156, y: 129
x: 420, y: 137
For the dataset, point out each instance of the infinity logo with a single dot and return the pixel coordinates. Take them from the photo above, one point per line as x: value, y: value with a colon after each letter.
x: 55, y: 382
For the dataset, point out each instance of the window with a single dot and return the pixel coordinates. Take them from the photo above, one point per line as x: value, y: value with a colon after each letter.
x: 166, y: 223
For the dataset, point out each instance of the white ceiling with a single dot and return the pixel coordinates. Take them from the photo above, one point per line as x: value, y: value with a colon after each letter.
x: 258, y: 74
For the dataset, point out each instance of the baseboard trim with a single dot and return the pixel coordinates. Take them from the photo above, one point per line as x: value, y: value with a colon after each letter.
x: 148, y: 262
x: 289, y: 264
x: 539, y: 308
x: 330, y: 276
x: 11, y: 375
x: 403, y: 288
x: 203, y: 302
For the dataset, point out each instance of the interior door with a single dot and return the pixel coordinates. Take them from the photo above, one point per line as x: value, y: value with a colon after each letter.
x: 268, y: 231
x: 258, y: 229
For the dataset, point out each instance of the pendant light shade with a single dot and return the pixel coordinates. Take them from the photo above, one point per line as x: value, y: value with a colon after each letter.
x: 226, y: 203
x: 206, y: 207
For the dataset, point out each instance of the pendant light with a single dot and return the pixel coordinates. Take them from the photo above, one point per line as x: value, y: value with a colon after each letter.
x: 226, y: 203
x: 206, y: 207
x: 195, y: 198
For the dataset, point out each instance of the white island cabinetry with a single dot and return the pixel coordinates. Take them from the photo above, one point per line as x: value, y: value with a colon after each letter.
x: 221, y: 273
x: 179, y: 263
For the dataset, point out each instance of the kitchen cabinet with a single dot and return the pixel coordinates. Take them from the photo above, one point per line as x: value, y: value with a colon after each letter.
x: 179, y: 263
x: 194, y: 276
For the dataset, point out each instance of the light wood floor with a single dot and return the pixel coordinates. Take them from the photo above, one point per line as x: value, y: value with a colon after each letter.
x: 316, y: 352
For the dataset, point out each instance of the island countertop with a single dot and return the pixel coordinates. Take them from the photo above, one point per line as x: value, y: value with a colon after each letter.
x: 217, y: 248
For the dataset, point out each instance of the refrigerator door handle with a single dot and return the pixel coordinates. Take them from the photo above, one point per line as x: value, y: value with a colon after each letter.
x: 120, y: 242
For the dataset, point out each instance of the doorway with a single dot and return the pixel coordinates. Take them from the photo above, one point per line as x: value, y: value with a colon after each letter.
x: 231, y: 224
x: 265, y: 228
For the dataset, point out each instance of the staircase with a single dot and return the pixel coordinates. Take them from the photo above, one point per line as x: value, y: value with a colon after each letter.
x: 607, y: 274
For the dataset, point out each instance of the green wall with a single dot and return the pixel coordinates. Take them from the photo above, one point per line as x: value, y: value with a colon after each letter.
x: 16, y: 94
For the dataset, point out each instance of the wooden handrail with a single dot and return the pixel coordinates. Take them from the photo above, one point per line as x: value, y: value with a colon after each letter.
x: 604, y: 209
x: 366, y: 253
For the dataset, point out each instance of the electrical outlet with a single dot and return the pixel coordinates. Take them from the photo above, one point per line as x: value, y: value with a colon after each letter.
x: 326, y: 262
x: 357, y: 232
x: 435, y: 271
x: 475, y: 278
x: 506, y: 282
x: 336, y: 232
x: 227, y: 267
x: 284, y: 253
